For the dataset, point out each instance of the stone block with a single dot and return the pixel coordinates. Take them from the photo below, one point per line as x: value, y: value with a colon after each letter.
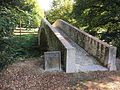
x: 52, y: 61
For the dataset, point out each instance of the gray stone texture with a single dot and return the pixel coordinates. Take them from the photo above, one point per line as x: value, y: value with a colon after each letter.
x: 103, y: 52
x: 79, y: 50
x: 52, y: 60
x: 59, y: 42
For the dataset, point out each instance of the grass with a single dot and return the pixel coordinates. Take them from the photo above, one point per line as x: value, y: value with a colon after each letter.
x: 18, y: 48
x: 24, y: 45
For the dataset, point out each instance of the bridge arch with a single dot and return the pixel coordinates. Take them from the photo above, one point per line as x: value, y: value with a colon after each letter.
x: 43, y: 40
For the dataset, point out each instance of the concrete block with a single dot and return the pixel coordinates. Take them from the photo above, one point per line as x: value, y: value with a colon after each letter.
x: 112, y: 59
x: 52, y: 61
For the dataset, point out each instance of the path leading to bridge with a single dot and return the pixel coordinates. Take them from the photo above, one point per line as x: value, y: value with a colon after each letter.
x: 30, y: 75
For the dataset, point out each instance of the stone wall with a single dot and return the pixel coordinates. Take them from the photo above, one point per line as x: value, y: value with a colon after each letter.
x: 55, y: 43
x: 102, y: 51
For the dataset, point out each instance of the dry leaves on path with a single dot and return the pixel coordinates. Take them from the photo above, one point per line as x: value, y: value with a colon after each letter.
x: 30, y: 75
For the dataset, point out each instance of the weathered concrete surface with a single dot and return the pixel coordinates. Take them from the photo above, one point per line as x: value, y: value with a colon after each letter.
x: 52, y: 61
x: 84, y: 61
x: 58, y: 42
x: 79, y: 50
x: 104, y: 53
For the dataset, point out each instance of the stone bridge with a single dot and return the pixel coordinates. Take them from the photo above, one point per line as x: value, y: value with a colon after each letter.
x: 79, y: 50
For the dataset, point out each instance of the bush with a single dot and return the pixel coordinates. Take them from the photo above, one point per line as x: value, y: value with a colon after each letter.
x: 16, y: 47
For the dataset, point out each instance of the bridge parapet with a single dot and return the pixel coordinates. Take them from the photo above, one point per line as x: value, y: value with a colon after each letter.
x: 103, y: 52
x: 57, y: 42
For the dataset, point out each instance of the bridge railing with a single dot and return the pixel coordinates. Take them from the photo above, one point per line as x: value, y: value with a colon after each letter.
x: 103, y: 52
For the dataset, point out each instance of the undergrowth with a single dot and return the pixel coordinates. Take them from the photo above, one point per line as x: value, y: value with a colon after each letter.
x: 18, y: 48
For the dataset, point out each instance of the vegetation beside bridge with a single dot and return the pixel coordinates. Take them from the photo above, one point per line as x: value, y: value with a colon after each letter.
x: 17, y: 13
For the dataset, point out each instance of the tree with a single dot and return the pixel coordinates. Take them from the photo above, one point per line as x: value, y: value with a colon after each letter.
x: 100, y: 18
x: 12, y: 13
x: 61, y: 9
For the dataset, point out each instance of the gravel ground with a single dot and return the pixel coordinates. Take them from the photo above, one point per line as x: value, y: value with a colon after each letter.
x: 30, y: 75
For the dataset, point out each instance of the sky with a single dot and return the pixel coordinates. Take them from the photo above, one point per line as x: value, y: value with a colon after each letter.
x: 45, y: 4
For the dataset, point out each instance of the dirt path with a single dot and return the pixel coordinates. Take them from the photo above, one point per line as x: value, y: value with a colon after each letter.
x: 30, y: 75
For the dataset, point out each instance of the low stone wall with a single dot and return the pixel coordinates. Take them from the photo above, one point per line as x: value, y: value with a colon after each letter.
x: 56, y: 42
x: 102, y: 51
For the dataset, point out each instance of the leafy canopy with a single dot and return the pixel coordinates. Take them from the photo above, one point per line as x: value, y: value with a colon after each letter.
x: 61, y: 9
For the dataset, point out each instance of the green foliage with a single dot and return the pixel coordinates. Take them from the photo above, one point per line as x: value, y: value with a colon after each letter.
x: 16, y: 12
x: 7, y: 21
x: 16, y: 48
x: 6, y: 52
x: 93, y: 13
x: 30, y: 14
x: 99, y: 18
x: 24, y: 45
x: 62, y: 9
x: 13, y: 13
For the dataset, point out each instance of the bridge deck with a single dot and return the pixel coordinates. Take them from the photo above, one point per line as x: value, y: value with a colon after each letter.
x: 84, y: 62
